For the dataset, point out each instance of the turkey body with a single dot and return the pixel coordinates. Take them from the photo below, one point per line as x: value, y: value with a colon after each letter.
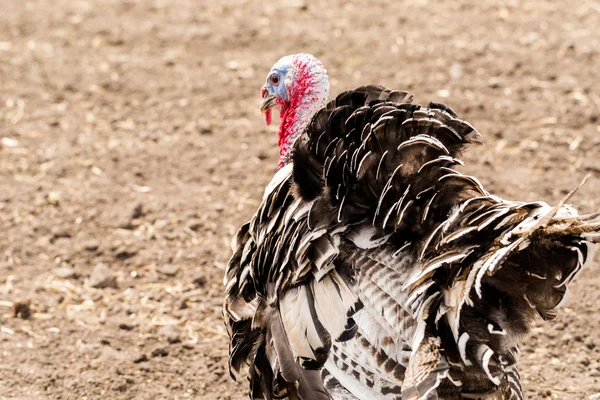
x: 374, y: 270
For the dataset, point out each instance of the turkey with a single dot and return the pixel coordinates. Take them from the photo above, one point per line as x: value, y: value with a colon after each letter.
x: 373, y: 269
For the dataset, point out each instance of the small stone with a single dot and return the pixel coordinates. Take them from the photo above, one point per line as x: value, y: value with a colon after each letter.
x: 123, y: 253
x: 589, y: 343
x: 171, y: 235
x: 171, y: 333
x: 566, y: 338
x: 126, y: 224
x: 140, y: 359
x: 583, y: 361
x: 65, y: 272
x: 53, y: 198
x: 194, y: 224
x: 173, y: 339
x: 121, y: 388
x: 58, y: 233
x: 560, y: 326
x: 90, y: 245
x: 159, y: 352
x: 206, y: 131
x: 169, y: 269
x: 183, y: 303
x: 125, y: 326
x: 138, y: 211
x: 102, y: 277
x: 22, y: 309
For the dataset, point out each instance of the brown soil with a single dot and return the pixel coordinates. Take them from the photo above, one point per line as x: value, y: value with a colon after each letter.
x: 132, y: 150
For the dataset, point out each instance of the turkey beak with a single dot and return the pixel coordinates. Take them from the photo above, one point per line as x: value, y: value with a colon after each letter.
x: 267, y: 102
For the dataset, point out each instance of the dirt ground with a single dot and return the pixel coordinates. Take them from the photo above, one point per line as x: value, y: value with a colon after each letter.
x: 132, y: 149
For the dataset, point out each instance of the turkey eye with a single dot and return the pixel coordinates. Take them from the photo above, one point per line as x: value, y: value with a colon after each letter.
x: 274, y: 79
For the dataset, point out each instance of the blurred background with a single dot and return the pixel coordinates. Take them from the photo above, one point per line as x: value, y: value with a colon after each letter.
x: 132, y: 149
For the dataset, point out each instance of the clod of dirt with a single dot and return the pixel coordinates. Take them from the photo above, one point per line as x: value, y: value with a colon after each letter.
x: 194, y: 224
x: 53, y: 198
x: 65, y: 272
x: 125, y: 326
x: 126, y: 224
x: 171, y: 333
x: 183, y: 303
x: 589, y: 343
x: 583, y: 360
x: 199, y: 281
x: 22, y: 309
x: 169, y: 269
x: 140, y: 359
x: 125, y: 220
x: 90, y: 245
x: 102, y: 277
x: 58, y: 233
x: 123, y: 252
x: 121, y: 388
x: 138, y: 211
x: 159, y: 352
x: 566, y: 338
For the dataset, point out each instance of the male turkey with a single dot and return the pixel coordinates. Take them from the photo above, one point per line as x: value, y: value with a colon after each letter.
x: 373, y: 269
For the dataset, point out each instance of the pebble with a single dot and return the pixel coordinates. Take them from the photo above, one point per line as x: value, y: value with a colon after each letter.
x: 194, y: 224
x: 22, y: 309
x: 125, y: 326
x: 123, y: 252
x: 58, y: 233
x: 90, y: 245
x: 171, y: 333
x: 140, y: 359
x: 65, y: 272
x: 566, y: 338
x: 583, y: 361
x: 53, y: 198
x: 169, y: 269
x: 125, y: 220
x: 126, y: 224
x: 138, y: 211
x: 159, y: 352
x: 102, y: 277
x: 589, y: 343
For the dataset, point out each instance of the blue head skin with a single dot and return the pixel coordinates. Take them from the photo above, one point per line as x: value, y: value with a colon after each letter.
x: 275, y: 91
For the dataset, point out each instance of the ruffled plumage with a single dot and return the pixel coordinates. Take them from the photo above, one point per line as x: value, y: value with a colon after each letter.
x: 374, y: 270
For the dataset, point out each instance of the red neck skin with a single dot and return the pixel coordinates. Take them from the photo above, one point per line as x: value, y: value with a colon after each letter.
x: 296, y: 113
x: 287, y: 115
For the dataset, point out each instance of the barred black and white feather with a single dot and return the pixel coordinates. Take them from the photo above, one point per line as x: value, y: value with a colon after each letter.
x: 375, y: 270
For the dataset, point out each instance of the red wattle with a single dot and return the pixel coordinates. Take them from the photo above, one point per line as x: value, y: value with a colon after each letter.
x: 268, y: 117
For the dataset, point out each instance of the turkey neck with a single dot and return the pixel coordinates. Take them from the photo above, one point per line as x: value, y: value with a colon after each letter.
x: 296, y: 115
x: 289, y: 129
